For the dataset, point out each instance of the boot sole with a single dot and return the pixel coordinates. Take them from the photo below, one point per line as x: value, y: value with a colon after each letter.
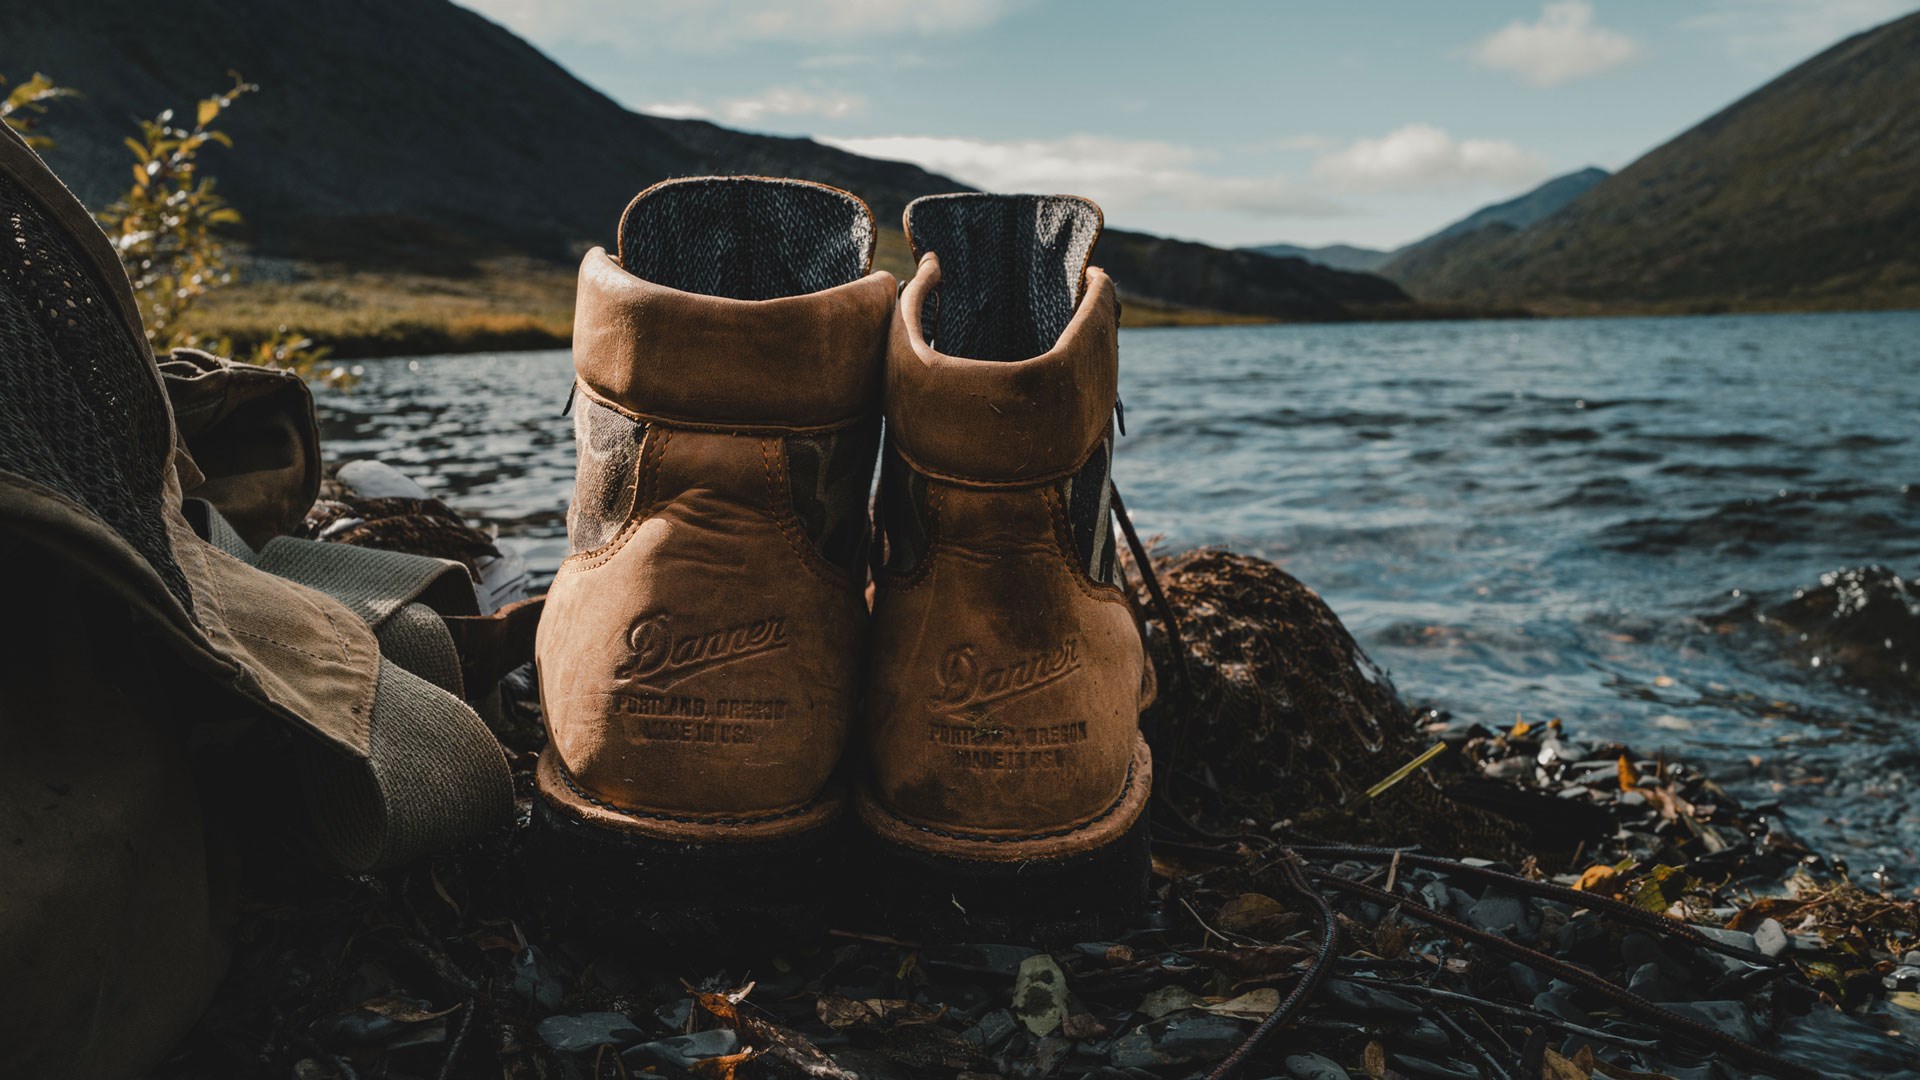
x: 1068, y: 885
x: 661, y: 882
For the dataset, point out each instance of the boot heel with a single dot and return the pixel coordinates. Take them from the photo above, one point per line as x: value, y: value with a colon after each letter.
x: 1085, y: 896
x: 655, y: 894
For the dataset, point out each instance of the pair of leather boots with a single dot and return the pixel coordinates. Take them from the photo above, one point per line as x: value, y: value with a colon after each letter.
x: 742, y: 729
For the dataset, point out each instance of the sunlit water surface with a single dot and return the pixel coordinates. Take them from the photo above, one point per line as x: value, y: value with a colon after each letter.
x: 1520, y: 519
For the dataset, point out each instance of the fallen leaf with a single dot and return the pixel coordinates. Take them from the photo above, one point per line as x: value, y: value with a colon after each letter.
x: 404, y: 1010
x: 1374, y: 1059
x: 1555, y: 1067
x: 1249, y: 913
x: 873, y: 1014
x: 1629, y: 778
x: 1252, y: 1005
x: 1167, y: 999
x: 1251, y: 960
x: 1597, y: 878
x: 1083, y: 1026
x: 1040, y: 995
x: 722, y: 1067
x: 1906, y: 999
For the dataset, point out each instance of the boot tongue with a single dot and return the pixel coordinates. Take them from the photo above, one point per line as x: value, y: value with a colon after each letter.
x: 1012, y: 270
x: 746, y: 238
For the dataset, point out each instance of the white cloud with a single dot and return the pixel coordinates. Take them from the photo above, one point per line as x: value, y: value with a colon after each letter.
x: 1422, y: 156
x: 1779, y: 32
x: 635, y: 25
x: 1122, y: 175
x: 1562, y: 46
x: 779, y: 101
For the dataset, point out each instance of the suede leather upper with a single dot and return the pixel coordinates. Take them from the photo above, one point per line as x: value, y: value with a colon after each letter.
x: 700, y: 668
x: 1006, y: 685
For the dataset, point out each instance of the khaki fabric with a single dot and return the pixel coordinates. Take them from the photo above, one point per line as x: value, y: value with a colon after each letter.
x: 149, y: 615
x: 250, y: 431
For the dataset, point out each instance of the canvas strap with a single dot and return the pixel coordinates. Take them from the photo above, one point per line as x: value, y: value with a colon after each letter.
x: 435, y: 775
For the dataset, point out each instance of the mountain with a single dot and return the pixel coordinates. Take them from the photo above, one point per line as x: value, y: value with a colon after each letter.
x: 1801, y: 195
x: 1337, y: 256
x: 418, y: 133
x: 1518, y: 212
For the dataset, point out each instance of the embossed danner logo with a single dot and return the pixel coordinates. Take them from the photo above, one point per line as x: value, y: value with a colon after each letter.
x: 661, y: 657
x: 967, y: 685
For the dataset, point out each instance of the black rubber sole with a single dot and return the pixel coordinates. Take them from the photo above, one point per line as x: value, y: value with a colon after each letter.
x: 1086, y: 897
x: 656, y: 894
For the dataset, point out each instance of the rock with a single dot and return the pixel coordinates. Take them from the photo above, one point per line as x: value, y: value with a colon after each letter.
x: 1199, y: 1038
x: 1314, y: 1067
x: 1727, y: 1017
x: 1422, y: 1034
x: 1912, y: 959
x: 1738, y: 939
x: 1555, y: 1003
x: 980, y: 959
x: 1650, y: 982
x: 1770, y: 937
x: 679, y: 1053
x: 1180, y: 1040
x: 1047, y: 1056
x: 1904, y: 977
x: 1367, y: 1001
x: 1040, y: 995
x: 1438, y: 1070
x: 673, y: 1016
x: 993, y: 1029
x: 1527, y: 981
x: 575, y: 1034
x: 535, y: 980
x: 1509, y: 916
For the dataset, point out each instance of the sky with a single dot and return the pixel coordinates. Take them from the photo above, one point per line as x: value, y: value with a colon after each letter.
x: 1234, y: 122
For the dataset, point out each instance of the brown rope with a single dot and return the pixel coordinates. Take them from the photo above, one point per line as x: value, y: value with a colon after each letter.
x: 1329, y: 946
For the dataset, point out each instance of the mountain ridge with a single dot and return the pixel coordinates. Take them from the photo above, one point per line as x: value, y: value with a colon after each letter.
x: 1798, y: 196
x: 418, y: 133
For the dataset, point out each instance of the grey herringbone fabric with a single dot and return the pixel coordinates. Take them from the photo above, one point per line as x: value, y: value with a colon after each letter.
x: 746, y: 238
x: 1012, y: 270
x: 80, y: 411
x: 607, y: 445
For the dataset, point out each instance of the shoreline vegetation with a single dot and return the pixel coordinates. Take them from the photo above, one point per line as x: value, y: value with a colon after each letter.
x: 515, y: 303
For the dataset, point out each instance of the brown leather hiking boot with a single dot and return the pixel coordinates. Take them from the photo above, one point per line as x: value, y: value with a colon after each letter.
x: 1008, y: 674
x: 702, y: 648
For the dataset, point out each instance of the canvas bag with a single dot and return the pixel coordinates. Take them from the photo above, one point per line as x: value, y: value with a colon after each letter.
x: 145, y: 621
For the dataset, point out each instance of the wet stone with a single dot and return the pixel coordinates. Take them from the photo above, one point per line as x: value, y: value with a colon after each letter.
x: 993, y: 1029
x: 980, y: 959
x: 535, y: 980
x: 1727, y: 1017
x: 1414, y: 1065
x: 1180, y: 1040
x: 1423, y: 1034
x: 673, y: 1016
x: 1904, y: 977
x: 1554, y: 1003
x: 575, y: 1034
x: 1314, y: 1067
x: 1651, y: 983
x: 1509, y: 916
x: 679, y: 1053
x: 1739, y: 939
x: 1527, y: 981
x: 1344, y: 996
x: 1771, y: 938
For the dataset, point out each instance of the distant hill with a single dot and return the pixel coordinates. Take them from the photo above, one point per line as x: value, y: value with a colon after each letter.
x: 1805, y: 194
x: 1518, y: 212
x: 1337, y: 256
x: 417, y: 133
x: 1523, y: 211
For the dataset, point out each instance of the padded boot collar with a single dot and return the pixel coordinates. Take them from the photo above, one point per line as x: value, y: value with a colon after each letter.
x: 1002, y: 422
x: 795, y: 363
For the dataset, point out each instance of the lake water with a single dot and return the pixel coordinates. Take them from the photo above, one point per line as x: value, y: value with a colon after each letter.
x: 1518, y: 518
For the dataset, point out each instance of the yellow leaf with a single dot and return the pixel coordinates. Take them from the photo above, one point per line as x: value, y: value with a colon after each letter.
x: 1519, y: 730
x: 209, y: 108
x: 1555, y: 1067
x: 1629, y: 778
x: 1906, y: 999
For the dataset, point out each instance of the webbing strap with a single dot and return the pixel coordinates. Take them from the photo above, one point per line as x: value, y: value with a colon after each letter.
x: 434, y: 776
